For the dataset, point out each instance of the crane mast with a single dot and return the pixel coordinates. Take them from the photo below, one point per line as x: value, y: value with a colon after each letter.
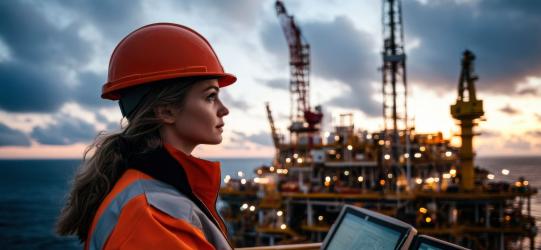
x: 302, y: 117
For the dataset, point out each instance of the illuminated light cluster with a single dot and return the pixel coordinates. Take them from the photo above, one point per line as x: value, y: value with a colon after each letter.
x: 295, y: 155
x: 448, y: 153
x: 288, y: 160
x: 259, y: 171
x: 336, y: 138
x: 437, y: 179
x: 429, y: 180
x: 243, y: 181
x: 417, y: 155
x: 320, y: 218
x: 428, y: 219
x: 387, y: 156
x: 369, y: 136
x: 282, y: 171
x: 279, y: 213
x: 327, y: 178
x: 419, y: 181
x: 507, y: 218
x: 227, y: 179
x: 346, y: 173
x: 422, y: 148
x: 244, y: 206
x: 381, y: 182
x: 390, y: 176
x: 327, y: 134
x: 350, y: 147
x: 252, y: 208
x: 423, y: 210
x: 261, y: 180
x: 360, y: 179
x: 446, y: 176
x: 452, y: 172
x: 283, y: 226
x: 518, y: 184
x: 406, y: 155
x: 299, y: 160
x: 525, y: 183
x: 505, y: 171
x: 381, y: 142
x: 271, y: 169
x: 490, y: 176
x: 387, y: 143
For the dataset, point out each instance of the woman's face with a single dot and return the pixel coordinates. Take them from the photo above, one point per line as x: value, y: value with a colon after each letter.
x: 199, y: 120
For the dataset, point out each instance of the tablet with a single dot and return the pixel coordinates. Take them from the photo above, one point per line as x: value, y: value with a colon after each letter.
x: 359, y: 228
x: 424, y: 242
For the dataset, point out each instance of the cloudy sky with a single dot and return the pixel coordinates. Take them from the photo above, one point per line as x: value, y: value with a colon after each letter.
x: 54, y: 58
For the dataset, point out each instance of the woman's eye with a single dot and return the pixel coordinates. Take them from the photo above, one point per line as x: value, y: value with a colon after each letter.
x: 212, y: 97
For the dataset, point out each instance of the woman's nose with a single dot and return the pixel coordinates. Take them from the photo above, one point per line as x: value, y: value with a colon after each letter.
x: 222, y: 111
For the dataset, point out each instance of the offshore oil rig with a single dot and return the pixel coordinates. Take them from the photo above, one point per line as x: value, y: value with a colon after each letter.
x: 418, y: 178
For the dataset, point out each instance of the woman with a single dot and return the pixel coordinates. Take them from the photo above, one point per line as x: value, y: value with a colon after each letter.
x: 141, y: 188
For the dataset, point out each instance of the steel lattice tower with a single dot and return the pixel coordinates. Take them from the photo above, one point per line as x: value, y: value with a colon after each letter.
x: 394, y: 85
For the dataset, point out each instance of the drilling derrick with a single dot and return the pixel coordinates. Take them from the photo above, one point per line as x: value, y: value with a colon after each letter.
x: 394, y: 86
x: 303, y: 119
x: 467, y: 109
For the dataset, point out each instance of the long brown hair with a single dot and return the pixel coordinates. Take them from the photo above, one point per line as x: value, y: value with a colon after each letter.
x: 104, y: 161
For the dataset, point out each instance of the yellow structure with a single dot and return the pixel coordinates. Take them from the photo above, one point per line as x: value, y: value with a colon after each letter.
x: 467, y: 109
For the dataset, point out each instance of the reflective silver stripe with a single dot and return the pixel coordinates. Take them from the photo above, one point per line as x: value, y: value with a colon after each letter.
x: 165, y: 198
x: 109, y: 218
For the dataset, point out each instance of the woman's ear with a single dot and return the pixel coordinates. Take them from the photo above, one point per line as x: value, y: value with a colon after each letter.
x: 165, y: 113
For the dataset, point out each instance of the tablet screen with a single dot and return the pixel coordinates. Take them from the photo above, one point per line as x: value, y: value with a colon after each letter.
x: 360, y: 233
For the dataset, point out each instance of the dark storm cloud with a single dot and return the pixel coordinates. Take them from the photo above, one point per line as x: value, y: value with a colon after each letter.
x: 35, y: 79
x: 509, y: 110
x: 262, y: 138
x: 115, y: 19
x: 12, y: 137
x: 277, y: 83
x: 505, y: 36
x: 528, y: 91
x: 517, y: 144
x: 88, y: 90
x: 67, y: 130
x: 339, y: 52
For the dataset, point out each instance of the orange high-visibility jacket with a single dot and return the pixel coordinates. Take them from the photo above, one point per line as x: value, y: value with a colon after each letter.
x: 165, y: 200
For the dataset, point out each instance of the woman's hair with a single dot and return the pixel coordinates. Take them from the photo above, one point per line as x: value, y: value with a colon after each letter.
x: 105, y: 160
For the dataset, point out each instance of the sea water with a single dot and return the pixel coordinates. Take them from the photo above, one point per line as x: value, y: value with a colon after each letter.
x: 33, y: 191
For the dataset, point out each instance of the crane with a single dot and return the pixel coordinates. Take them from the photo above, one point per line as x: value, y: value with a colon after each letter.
x: 467, y: 109
x: 303, y: 118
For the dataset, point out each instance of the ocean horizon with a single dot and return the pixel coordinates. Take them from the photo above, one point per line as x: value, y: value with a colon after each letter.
x: 34, y: 190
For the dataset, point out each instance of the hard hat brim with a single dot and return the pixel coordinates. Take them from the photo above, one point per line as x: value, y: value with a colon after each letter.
x: 111, y: 90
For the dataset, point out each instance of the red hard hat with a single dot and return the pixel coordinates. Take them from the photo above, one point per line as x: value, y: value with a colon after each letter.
x: 161, y: 51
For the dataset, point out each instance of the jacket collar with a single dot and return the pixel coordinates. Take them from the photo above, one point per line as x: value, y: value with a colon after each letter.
x: 196, y: 178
